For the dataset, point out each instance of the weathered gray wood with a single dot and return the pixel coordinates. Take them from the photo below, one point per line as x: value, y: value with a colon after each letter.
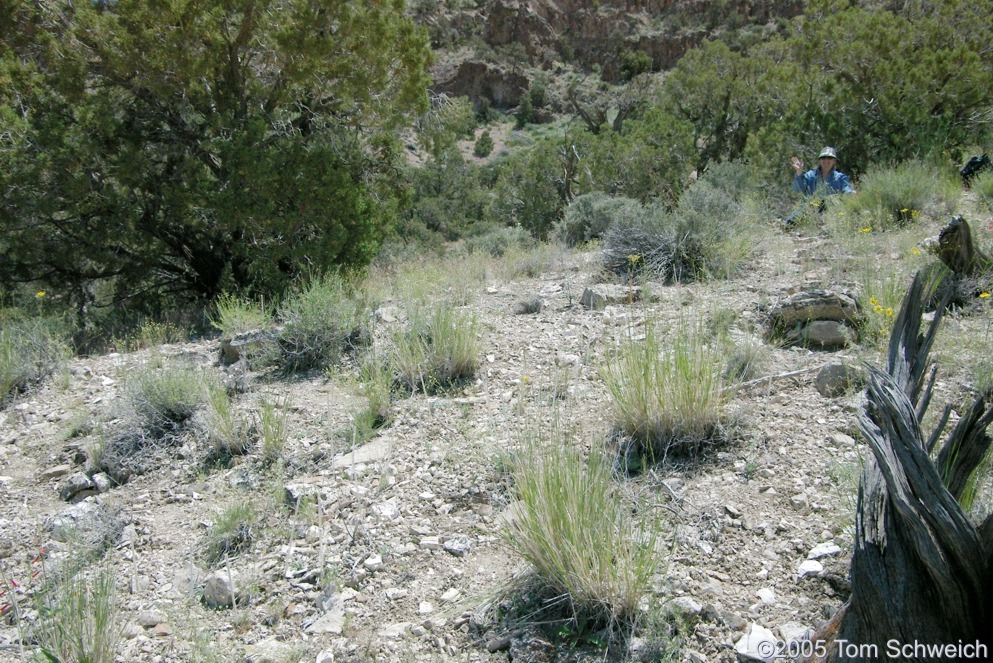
x: 921, y: 570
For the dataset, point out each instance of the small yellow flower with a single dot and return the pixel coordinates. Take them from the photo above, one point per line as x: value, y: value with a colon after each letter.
x: 873, y: 301
x: 841, y: 214
x: 878, y: 309
x: 867, y: 229
x: 525, y: 379
x: 40, y: 294
x: 904, y: 210
x: 916, y: 251
x: 634, y: 258
x: 916, y: 214
x: 889, y: 312
x: 984, y: 295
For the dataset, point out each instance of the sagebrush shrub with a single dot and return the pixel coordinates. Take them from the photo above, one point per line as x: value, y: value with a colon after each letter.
x: 321, y: 320
x: 708, y: 234
x: 589, y: 216
x: 233, y: 315
x: 898, y: 195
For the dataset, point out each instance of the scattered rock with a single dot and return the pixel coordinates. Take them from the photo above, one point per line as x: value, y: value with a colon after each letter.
x: 826, y: 549
x: 792, y: 632
x: 395, y: 631
x: 221, y: 589
x: 800, y: 502
x: 76, y: 487
x: 373, y: 563
x: 836, y: 380
x: 766, y: 595
x: 150, y: 618
x: 499, y: 643
x: 687, y: 606
x: 458, y: 545
x: 529, y: 307
x: 758, y: 644
x: 331, y: 622
x: 810, y: 567
x: 56, y: 472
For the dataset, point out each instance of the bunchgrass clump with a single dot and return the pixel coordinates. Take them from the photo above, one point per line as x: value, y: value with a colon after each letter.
x: 158, y: 406
x: 322, y: 319
x: 226, y: 430
x: 577, y: 529
x: 879, y: 299
x: 233, y: 532
x: 273, y: 428
x: 233, y: 315
x: 438, y: 351
x: 667, y: 392
x: 377, y: 386
x: 166, y: 398
x: 78, y: 619
x: 31, y: 349
x: 899, y: 195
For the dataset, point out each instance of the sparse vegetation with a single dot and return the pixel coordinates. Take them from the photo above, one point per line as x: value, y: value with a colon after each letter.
x: 78, y: 619
x: 439, y: 350
x: 322, y: 319
x: 667, y: 395
x: 899, y: 195
x: 575, y: 528
x: 233, y: 532
x: 31, y: 349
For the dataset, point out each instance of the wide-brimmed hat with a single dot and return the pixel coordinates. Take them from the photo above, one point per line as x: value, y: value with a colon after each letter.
x: 827, y: 152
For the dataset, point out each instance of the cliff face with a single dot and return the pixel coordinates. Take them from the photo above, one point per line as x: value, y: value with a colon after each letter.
x: 580, y: 32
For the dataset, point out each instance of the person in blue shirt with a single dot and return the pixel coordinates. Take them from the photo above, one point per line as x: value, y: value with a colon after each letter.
x: 825, y: 179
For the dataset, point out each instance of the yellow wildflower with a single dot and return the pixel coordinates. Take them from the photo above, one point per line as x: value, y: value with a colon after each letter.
x: 873, y: 301
x: 878, y: 309
x: 889, y: 312
x: 904, y: 210
x: 867, y: 229
x: 525, y: 379
x: 40, y: 294
x: 984, y: 295
x: 916, y: 251
x: 916, y: 214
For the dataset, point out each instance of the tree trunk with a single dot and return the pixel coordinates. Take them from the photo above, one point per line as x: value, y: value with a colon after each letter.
x: 921, y: 570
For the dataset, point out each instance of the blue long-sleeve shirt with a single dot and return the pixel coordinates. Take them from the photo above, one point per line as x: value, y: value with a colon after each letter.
x: 811, y: 182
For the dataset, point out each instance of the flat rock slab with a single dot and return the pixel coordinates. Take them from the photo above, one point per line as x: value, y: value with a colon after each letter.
x: 373, y: 452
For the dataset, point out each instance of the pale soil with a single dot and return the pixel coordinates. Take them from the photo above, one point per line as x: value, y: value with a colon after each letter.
x: 740, y: 520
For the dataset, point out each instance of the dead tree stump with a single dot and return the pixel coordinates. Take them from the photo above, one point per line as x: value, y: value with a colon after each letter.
x: 958, y: 250
x: 921, y: 571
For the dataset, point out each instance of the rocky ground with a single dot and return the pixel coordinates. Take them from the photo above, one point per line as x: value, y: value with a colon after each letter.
x: 392, y: 550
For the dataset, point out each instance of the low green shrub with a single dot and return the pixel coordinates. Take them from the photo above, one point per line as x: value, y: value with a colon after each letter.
x: 589, y: 216
x: 667, y: 396
x: 709, y: 234
x: 322, y: 319
x: 578, y: 532
x: 895, y: 196
x: 498, y: 241
x: 31, y: 349
x: 484, y: 145
x: 233, y: 315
